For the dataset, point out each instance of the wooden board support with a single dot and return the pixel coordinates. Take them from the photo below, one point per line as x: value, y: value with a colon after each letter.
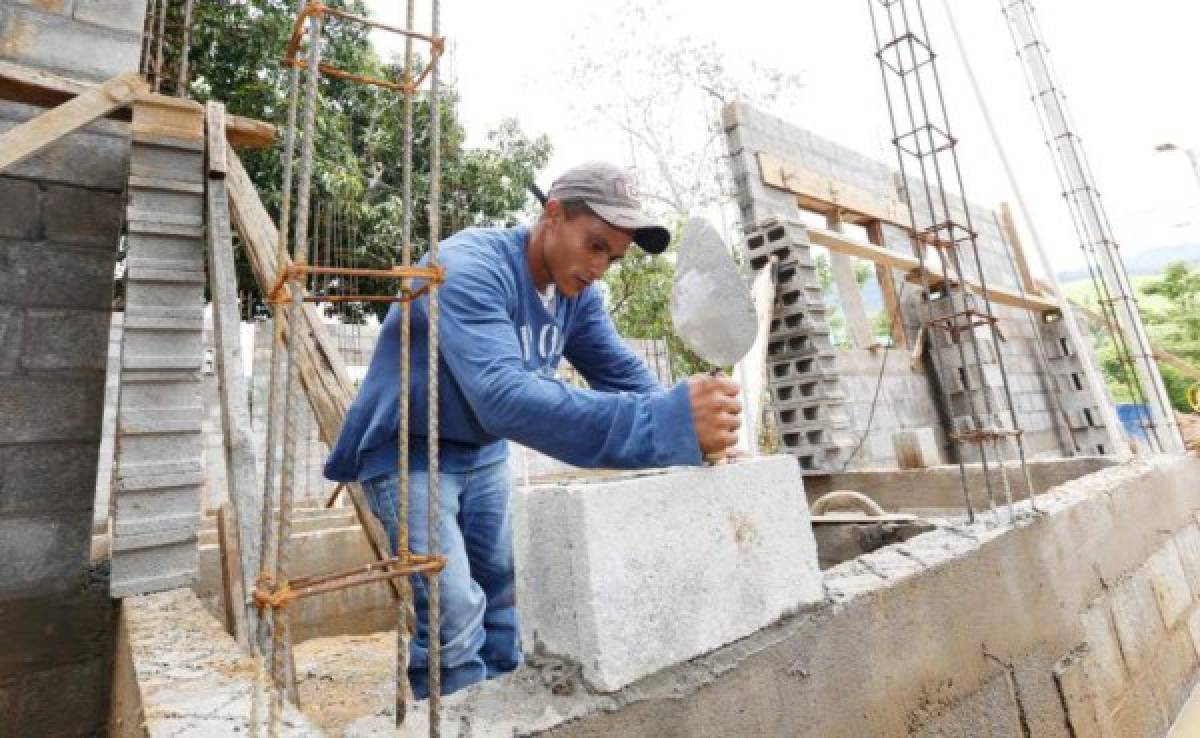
x: 233, y: 593
x: 823, y: 195
x: 30, y: 137
x: 244, y: 494
x: 1009, y: 227
x: 887, y: 286
x: 1174, y: 361
x: 909, y: 264
x: 322, y: 372
x: 47, y: 90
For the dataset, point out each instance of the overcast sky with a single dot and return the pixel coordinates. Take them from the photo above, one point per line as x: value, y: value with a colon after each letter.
x: 1129, y: 70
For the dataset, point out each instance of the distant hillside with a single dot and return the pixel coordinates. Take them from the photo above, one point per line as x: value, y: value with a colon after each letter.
x: 1150, y: 261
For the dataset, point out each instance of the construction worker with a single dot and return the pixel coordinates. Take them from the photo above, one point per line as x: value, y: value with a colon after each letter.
x: 516, y: 301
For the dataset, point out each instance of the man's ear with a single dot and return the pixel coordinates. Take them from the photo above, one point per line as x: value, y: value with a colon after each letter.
x: 552, y: 210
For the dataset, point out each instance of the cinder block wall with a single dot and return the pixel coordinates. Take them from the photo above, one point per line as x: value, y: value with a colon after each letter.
x: 60, y: 219
x: 1037, y: 394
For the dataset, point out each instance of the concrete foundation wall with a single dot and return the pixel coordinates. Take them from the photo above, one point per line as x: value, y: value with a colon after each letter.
x: 1078, y: 623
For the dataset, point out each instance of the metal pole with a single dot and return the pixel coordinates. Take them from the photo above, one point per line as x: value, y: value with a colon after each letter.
x: 435, y: 193
x: 406, y: 616
x: 1112, y: 424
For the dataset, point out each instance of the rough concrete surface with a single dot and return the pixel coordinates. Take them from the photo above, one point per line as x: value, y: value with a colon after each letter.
x: 627, y: 575
x: 179, y: 674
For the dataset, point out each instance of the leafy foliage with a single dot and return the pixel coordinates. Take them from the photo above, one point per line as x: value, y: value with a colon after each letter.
x: 237, y: 46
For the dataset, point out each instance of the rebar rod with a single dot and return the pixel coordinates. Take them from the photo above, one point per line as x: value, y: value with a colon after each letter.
x: 406, y: 617
x: 938, y: 165
x: 1090, y: 218
x: 1112, y: 424
x: 435, y: 193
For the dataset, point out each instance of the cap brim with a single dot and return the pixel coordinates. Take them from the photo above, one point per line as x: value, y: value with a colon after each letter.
x: 650, y: 236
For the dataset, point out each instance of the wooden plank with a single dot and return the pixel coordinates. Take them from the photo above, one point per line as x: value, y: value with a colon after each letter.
x: 909, y: 264
x: 322, y: 372
x: 822, y: 194
x: 169, y: 117
x: 30, y: 137
x: 243, y: 489
x: 44, y: 89
x: 887, y: 286
x: 214, y: 127
x: 233, y: 593
x: 1180, y: 364
x: 1009, y: 227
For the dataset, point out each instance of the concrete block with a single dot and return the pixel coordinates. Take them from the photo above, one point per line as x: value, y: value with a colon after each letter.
x: 50, y: 409
x: 49, y: 275
x: 1170, y: 584
x: 82, y: 686
x: 61, y: 7
x: 1173, y: 673
x: 57, y: 340
x: 1041, y: 705
x: 76, y: 215
x: 12, y: 324
x: 916, y: 448
x: 54, y: 43
x: 43, y: 553
x: 1101, y: 656
x: 42, y: 478
x: 1140, y: 714
x: 1079, y: 701
x: 1136, y: 616
x: 604, y: 582
x: 991, y: 711
x: 1187, y: 544
x: 20, y: 218
x: 43, y: 632
x: 96, y: 158
x: 123, y: 15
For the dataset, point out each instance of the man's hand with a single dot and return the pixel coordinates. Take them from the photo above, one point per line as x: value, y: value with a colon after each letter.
x: 716, y: 412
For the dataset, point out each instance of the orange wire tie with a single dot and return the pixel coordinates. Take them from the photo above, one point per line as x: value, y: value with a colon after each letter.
x: 268, y: 596
x: 437, y: 45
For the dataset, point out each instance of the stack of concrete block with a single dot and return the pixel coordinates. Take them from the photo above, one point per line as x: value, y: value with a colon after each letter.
x: 1076, y: 397
x: 159, y: 445
x: 802, y: 376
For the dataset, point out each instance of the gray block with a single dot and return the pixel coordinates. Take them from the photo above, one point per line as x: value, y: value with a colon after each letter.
x: 76, y: 215
x: 43, y: 478
x: 20, y: 216
x: 57, y: 408
x: 58, y: 44
x: 45, y: 274
x: 56, y: 340
x: 603, y: 583
x: 96, y: 157
x: 12, y: 324
x: 122, y: 15
x: 43, y: 554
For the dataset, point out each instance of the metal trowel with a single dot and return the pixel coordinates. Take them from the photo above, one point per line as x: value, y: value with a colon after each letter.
x: 711, y: 305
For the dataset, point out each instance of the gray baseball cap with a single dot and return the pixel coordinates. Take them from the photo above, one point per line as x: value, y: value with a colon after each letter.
x: 607, y: 191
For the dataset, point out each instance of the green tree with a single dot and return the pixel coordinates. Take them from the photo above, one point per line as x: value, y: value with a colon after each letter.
x: 237, y: 47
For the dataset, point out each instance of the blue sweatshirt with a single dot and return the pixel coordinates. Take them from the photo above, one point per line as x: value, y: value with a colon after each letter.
x: 499, y: 348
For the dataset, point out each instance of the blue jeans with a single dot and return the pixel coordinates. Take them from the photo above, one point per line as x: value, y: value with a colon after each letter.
x: 478, y: 588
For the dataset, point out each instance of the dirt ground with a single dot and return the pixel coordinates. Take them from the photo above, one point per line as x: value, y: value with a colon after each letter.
x: 344, y: 678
